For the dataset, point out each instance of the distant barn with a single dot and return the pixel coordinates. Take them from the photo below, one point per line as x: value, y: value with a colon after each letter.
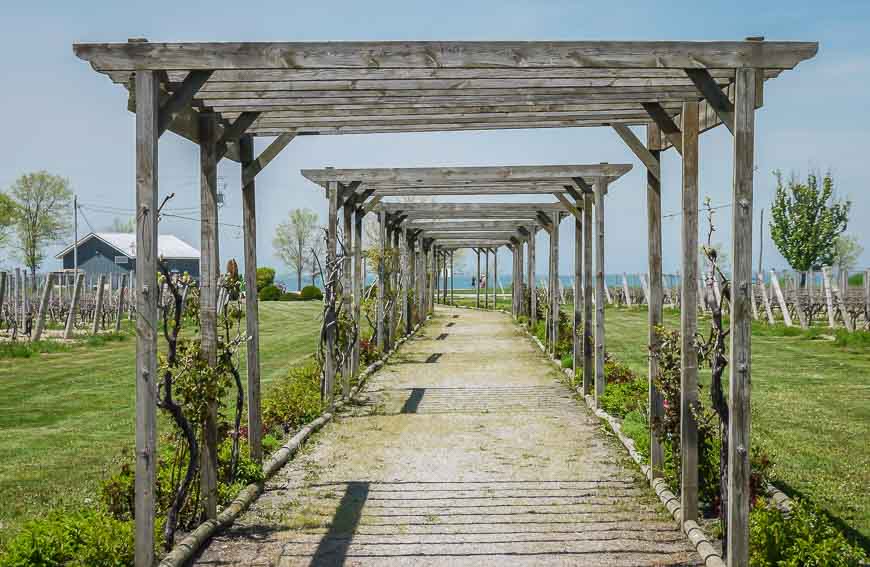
x: 114, y: 252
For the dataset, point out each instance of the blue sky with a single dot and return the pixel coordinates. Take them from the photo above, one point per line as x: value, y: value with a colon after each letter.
x: 63, y: 117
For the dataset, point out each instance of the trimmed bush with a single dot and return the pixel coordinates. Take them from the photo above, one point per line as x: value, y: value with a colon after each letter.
x: 311, y: 292
x: 290, y: 296
x: 265, y: 277
x: 270, y: 293
x: 295, y: 400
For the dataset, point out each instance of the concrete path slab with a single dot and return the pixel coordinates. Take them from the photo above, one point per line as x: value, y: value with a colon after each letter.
x: 464, y: 450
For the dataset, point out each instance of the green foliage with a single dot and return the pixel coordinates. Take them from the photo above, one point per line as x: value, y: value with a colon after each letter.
x: 636, y: 427
x: 270, y: 293
x: 806, y: 538
x: 26, y: 349
x: 88, y: 538
x: 311, y: 292
x: 293, y: 401
x: 856, y: 280
x: 806, y: 223
x: 847, y: 250
x: 265, y: 277
x: 567, y: 360
x: 622, y: 398
x: 295, y: 241
x: 7, y: 216
x: 290, y: 296
x: 42, y: 214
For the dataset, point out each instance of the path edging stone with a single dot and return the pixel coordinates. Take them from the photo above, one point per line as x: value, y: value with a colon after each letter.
x: 184, y: 550
x: 695, y: 534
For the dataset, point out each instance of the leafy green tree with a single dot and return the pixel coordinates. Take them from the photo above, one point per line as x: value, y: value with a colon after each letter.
x: 7, y: 217
x: 295, y: 241
x: 847, y: 250
x: 43, y: 206
x: 806, y: 220
x: 265, y: 276
x: 123, y: 226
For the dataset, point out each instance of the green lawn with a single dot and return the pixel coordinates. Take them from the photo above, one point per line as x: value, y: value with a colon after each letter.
x: 810, y: 411
x: 65, y: 416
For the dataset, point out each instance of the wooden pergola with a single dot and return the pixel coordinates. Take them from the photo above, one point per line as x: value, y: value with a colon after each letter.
x: 223, y: 95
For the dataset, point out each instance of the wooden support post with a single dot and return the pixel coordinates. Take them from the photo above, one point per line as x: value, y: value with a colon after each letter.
x: 358, y: 281
x: 554, y: 290
x: 98, y: 305
x: 209, y: 276
x: 599, y: 188
x: 765, y: 299
x: 331, y: 335
x: 43, y: 306
x: 346, y: 290
x: 655, y: 400
x: 147, y: 114
x: 577, y: 328
x: 477, y: 285
x: 689, y: 317
x: 3, y: 278
x: 518, y: 283
x: 588, y: 334
x: 395, y: 287
x: 433, y: 276
x: 798, y: 303
x: 486, y: 278
x: 753, y: 301
x: 444, y: 294
x: 407, y: 280
x: 122, y: 292
x: 829, y: 298
x: 379, y: 312
x: 866, y: 297
x: 495, y: 278
x: 839, y: 293
x: 533, y: 295
x: 74, y: 307
x: 741, y: 322
x: 780, y: 298
x: 626, y: 290
x: 252, y: 316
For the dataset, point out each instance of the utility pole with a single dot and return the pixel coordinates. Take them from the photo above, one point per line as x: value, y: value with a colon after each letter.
x: 76, y: 233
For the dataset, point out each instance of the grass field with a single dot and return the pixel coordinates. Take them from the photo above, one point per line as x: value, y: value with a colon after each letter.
x: 66, y: 416
x: 810, y: 411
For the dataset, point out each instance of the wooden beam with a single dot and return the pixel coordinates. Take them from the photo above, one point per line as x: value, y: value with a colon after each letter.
x: 181, y: 99
x: 119, y: 311
x: 655, y: 407
x: 43, y: 305
x: 331, y: 332
x: 369, y: 207
x: 145, y: 491
x: 252, y: 317
x: 714, y: 95
x: 208, y: 297
x: 582, y: 184
x: 235, y: 130
x: 569, y: 206
x: 98, y: 304
x: 424, y: 176
x: 665, y: 123
x: 445, y: 54
x: 689, y: 317
x: 358, y: 282
x: 639, y: 149
x: 588, y: 345
x: 380, y: 311
x: 741, y: 320
x: 255, y: 167
x: 600, y: 188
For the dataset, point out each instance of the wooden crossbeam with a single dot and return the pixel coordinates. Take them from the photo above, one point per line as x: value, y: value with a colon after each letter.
x: 666, y: 124
x: 181, y: 99
x: 369, y: 207
x: 348, y: 194
x: 714, y: 95
x: 573, y: 192
x: 445, y: 54
x: 570, y: 207
x: 255, y: 167
x: 505, y: 189
x: 234, y: 131
x: 639, y: 149
x: 582, y: 184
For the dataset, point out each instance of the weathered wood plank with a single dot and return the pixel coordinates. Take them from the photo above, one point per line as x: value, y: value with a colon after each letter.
x: 600, y: 188
x: 180, y: 99
x: 655, y: 400
x: 741, y: 329
x: 665, y: 123
x: 252, y: 316
x: 147, y: 113
x: 780, y: 298
x: 689, y: 317
x: 382, y: 244
x: 208, y: 298
x: 639, y: 149
x: 533, y: 299
x: 74, y: 306
x: 43, y: 305
x: 444, y: 54
x: 588, y: 345
x: 270, y: 153
x: 98, y: 306
x: 122, y: 296
x: 577, y: 326
x: 715, y: 97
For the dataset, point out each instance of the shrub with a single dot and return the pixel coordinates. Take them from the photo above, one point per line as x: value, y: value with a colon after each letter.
x: 568, y: 360
x: 295, y: 400
x: 88, y: 538
x: 368, y: 352
x: 290, y: 296
x: 806, y: 538
x: 636, y: 427
x: 311, y: 292
x: 265, y: 277
x: 270, y: 293
x: 621, y: 398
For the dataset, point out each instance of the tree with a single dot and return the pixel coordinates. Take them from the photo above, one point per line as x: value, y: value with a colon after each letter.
x: 806, y: 221
x: 295, y: 240
x: 265, y: 276
x: 7, y: 217
x: 847, y: 250
x: 43, y: 204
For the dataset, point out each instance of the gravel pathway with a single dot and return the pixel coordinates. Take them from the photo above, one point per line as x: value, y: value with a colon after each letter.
x: 464, y: 450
